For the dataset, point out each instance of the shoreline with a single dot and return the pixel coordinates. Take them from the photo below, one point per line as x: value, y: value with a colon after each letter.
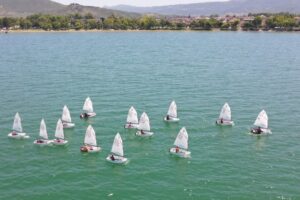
x: 136, y: 30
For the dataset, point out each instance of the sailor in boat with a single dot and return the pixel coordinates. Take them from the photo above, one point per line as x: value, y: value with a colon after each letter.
x: 168, y: 117
x: 112, y: 157
x: 177, y: 149
x: 40, y: 141
x: 142, y: 132
x: 86, y: 148
x: 83, y: 149
x: 14, y: 133
x: 129, y: 126
x: 257, y: 131
x: 84, y: 115
x: 221, y: 120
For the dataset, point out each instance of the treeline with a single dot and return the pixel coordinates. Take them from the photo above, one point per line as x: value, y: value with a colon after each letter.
x: 87, y: 22
x: 281, y: 21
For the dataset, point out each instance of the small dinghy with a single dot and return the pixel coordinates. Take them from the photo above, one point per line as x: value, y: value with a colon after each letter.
x: 66, y: 118
x: 132, y: 119
x: 172, y: 113
x: 117, y: 154
x: 88, y: 110
x: 261, y: 124
x: 43, y: 140
x: 90, y: 142
x: 144, y: 126
x: 225, y: 116
x: 17, y: 130
x: 59, y: 134
x: 181, y: 144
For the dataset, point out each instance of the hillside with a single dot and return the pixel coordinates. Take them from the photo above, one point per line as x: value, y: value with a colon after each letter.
x: 220, y: 8
x: 21, y: 8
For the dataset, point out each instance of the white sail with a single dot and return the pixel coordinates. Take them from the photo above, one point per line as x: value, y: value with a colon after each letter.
x: 88, y: 105
x: 90, y: 136
x: 144, y: 122
x: 132, y: 116
x: 59, y: 132
x: 182, y: 139
x: 66, y: 116
x: 43, y: 130
x: 172, y: 112
x: 117, y: 147
x: 225, y: 113
x: 17, y: 126
x: 262, y: 120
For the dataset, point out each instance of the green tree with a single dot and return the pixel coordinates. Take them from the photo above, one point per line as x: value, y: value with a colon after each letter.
x: 148, y: 22
x: 78, y: 25
x: 89, y: 16
x: 25, y: 23
x: 91, y: 24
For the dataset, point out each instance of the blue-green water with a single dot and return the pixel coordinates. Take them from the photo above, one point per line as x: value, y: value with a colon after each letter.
x: 40, y: 72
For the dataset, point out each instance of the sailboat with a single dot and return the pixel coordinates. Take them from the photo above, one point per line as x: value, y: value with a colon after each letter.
x: 172, y: 113
x: 225, y: 116
x: 17, y: 130
x: 117, y: 153
x: 132, y: 118
x: 90, y: 142
x: 43, y: 140
x: 66, y: 118
x: 261, y: 124
x: 181, y: 144
x: 144, y: 126
x: 88, y: 110
x: 59, y: 134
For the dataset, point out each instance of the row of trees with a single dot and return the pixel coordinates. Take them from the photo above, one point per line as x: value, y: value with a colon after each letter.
x: 282, y: 21
x: 88, y: 21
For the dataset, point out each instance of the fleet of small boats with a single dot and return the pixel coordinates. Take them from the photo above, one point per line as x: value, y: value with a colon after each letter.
x: 142, y: 125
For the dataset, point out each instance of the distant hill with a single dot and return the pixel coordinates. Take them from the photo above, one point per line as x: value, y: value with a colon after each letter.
x: 21, y: 8
x: 220, y: 8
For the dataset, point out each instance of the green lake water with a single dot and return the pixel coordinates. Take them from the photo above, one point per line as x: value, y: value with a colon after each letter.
x: 41, y: 72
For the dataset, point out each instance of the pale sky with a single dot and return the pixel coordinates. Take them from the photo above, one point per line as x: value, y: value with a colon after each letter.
x: 102, y: 3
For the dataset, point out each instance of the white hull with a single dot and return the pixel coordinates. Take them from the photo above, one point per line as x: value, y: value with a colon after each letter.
x: 264, y: 131
x: 44, y: 143
x: 82, y: 115
x: 18, y: 135
x: 90, y: 149
x: 225, y: 123
x: 60, y: 142
x: 117, y: 160
x: 68, y: 125
x: 181, y: 153
x: 133, y: 126
x: 146, y: 133
x: 171, y: 119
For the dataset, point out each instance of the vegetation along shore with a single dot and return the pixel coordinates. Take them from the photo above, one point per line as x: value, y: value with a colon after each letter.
x: 250, y: 22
